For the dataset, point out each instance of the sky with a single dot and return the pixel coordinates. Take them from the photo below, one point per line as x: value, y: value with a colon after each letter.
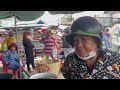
x: 53, y: 19
x: 87, y: 13
x: 50, y: 19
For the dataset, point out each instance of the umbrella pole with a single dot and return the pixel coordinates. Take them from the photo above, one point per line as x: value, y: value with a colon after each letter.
x: 17, y: 44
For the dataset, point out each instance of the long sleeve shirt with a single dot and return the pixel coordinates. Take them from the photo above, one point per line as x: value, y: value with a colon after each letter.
x: 8, y: 40
x: 107, y: 66
x: 9, y: 58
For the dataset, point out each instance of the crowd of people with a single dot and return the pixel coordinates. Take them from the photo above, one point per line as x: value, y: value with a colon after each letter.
x: 51, y: 39
x: 84, y: 47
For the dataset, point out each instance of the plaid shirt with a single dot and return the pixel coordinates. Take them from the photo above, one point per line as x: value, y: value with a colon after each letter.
x: 107, y: 66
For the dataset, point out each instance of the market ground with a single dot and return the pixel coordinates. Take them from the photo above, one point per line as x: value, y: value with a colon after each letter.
x: 60, y: 76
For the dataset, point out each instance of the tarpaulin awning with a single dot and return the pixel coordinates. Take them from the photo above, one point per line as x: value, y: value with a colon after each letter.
x: 64, y: 12
x: 22, y: 15
x: 30, y: 15
x: 111, y: 12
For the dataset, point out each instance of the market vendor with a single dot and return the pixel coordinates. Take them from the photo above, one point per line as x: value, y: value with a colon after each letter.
x: 90, y: 60
x: 10, y: 57
x: 8, y: 40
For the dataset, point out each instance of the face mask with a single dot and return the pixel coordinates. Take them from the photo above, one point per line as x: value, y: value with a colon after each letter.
x: 91, y: 54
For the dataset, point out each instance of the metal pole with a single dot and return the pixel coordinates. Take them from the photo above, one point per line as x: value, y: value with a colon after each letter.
x: 17, y: 44
x: 111, y: 19
x: 58, y: 20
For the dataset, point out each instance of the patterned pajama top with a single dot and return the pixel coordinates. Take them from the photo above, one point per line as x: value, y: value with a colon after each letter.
x: 107, y: 66
x: 11, y: 59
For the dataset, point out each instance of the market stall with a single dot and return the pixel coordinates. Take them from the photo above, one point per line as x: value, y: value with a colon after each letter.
x: 27, y: 16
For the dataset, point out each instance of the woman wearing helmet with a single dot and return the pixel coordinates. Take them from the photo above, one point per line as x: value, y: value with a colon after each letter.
x: 90, y: 60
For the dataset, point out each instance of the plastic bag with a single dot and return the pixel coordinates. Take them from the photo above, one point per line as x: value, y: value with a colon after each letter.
x: 54, y: 53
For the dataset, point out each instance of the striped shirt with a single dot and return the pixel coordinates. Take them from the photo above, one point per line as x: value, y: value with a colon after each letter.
x: 49, y: 43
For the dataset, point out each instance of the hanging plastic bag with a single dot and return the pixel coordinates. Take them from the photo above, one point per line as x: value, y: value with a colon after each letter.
x: 54, y: 53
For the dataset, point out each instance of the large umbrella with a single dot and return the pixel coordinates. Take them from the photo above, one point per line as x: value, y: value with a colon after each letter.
x: 28, y: 16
